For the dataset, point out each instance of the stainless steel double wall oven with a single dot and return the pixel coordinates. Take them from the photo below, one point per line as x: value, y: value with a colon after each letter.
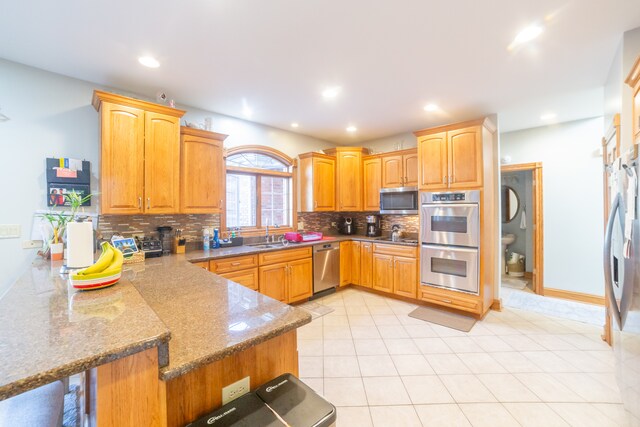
x: 450, y: 235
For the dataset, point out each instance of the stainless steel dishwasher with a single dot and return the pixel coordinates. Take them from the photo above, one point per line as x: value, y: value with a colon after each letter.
x: 326, y: 267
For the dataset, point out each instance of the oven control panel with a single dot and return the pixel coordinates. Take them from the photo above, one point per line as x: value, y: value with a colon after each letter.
x: 448, y: 197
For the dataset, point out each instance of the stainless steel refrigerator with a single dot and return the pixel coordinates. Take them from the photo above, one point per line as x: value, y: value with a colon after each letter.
x: 622, y: 280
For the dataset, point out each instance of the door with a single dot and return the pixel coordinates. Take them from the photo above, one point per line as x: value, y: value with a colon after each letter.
x: 355, y: 262
x: 345, y: 263
x: 324, y: 186
x: 248, y: 278
x: 366, y: 267
x: 273, y: 281
x: 349, y: 174
x: 383, y: 272
x: 161, y: 163
x: 122, y: 159
x: 372, y: 172
x: 450, y: 267
x: 410, y: 167
x: 392, y: 175
x: 451, y: 224
x: 433, y: 166
x: 405, y: 276
x: 202, y: 175
x: 465, y: 157
x: 300, y: 280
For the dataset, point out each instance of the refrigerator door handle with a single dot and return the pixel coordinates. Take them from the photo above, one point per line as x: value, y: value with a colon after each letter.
x: 608, y: 281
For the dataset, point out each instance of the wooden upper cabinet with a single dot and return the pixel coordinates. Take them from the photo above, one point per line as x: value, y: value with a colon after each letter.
x: 433, y: 166
x: 348, y: 177
x: 122, y: 159
x: 202, y: 175
x: 162, y: 163
x: 372, y: 181
x: 400, y: 169
x: 451, y: 156
x: 633, y: 80
x: 140, y: 155
x: 317, y: 182
x: 465, y: 157
x: 392, y: 173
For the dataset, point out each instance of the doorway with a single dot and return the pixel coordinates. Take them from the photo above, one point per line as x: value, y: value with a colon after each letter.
x: 522, y: 224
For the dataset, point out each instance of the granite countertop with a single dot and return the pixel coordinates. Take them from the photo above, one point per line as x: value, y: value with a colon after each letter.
x: 48, y: 330
x: 209, y: 317
x: 202, y: 255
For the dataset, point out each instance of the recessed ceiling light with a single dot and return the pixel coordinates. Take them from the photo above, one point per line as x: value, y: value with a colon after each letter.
x: 526, y: 35
x: 294, y: 125
x: 149, y: 61
x: 331, y: 92
x: 431, y: 108
x: 352, y: 129
x: 548, y: 116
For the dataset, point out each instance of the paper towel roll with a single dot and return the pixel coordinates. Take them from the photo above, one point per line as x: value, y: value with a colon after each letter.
x: 79, y: 244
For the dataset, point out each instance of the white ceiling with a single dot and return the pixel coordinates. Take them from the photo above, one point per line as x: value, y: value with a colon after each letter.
x: 389, y: 57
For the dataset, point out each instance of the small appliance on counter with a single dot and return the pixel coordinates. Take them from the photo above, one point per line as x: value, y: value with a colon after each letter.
x: 347, y: 226
x: 165, y: 238
x: 373, y: 226
x: 297, y: 237
x: 151, y: 247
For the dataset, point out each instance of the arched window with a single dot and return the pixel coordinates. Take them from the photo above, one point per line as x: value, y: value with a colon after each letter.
x: 260, y: 189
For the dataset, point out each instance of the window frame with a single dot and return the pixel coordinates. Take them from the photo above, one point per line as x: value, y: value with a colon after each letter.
x: 258, y: 173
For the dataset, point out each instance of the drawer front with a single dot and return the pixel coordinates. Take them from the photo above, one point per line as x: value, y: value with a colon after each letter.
x: 284, y: 255
x: 405, y: 251
x: 226, y: 265
x: 248, y: 278
x: 456, y: 302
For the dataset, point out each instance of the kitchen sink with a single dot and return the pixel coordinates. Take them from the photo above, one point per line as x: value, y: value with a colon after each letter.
x: 265, y: 245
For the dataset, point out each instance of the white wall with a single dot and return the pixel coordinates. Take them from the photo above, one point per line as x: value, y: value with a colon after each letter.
x: 572, y: 199
x: 51, y: 116
x: 401, y: 141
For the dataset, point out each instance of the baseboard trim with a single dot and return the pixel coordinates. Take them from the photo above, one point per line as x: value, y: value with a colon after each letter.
x: 574, y: 296
x: 497, y: 304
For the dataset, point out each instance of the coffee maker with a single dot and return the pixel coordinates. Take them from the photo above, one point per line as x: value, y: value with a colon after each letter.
x: 373, y: 226
x: 347, y: 226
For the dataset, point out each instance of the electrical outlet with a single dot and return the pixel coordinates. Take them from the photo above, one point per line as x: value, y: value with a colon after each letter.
x: 31, y: 244
x: 235, y: 390
x: 10, y: 231
x: 301, y: 225
x: 334, y: 225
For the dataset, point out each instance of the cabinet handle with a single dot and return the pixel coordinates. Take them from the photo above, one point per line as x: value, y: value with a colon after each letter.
x: 449, y: 178
x: 315, y: 204
x: 448, y: 301
x: 139, y: 202
x: 148, y: 202
x: 406, y: 179
x: 235, y: 264
x: 444, y: 179
x: 220, y: 202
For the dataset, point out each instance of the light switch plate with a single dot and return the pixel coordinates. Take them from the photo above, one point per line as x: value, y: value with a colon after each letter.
x: 10, y: 231
x: 31, y: 244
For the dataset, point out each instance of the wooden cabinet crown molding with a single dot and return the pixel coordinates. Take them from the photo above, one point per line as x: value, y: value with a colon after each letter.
x: 485, y: 121
x: 336, y: 150
x: 313, y: 154
x: 184, y: 130
x: 100, y: 96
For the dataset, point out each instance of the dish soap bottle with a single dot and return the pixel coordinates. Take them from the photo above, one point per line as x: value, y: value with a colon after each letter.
x: 205, y: 239
x: 216, y: 238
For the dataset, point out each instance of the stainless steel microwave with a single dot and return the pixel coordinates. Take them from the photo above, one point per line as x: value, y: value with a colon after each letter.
x: 399, y: 201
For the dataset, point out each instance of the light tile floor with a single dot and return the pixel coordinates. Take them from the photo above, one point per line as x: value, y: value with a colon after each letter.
x: 381, y: 367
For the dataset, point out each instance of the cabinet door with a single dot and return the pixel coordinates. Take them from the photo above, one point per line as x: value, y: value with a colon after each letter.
x: 201, y: 175
x: 405, y: 276
x: 248, y: 278
x: 366, y: 267
x: 324, y: 184
x: 465, y: 157
x: 383, y: 272
x: 122, y: 159
x: 432, y: 156
x: 410, y: 167
x: 273, y: 281
x: 345, y: 263
x: 161, y: 163
x: 355, y: 262
x: 349, y: 181
x: 372, y: 173
x: 300, y: 280
x: 392, y: 175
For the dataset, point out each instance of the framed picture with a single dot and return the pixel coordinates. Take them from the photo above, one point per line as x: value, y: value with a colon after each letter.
x: 57, y: 193
x: 126, y: 246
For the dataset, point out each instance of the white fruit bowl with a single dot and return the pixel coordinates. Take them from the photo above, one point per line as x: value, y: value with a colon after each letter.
x: 102, y: 282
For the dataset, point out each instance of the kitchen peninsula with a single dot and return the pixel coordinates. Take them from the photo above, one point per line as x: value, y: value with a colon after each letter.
x: 156, y: 345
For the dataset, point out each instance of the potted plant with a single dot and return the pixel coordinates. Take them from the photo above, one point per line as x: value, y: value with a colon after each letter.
x: 58, y: 222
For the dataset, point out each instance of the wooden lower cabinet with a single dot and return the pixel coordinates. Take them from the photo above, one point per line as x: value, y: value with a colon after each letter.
x: 356, y: 248
x: 273, y: 281
x: 366, y: 264
x: 405, y: 276
x: 451, y: 299
x: 203, y: 264
x: 345, y: 263
x: 248, y: 278
x: 383, y: 272
x: 300, y: 280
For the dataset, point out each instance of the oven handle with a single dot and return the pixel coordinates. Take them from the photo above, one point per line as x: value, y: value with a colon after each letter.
x: 449, y: 248
x: 450, y: 205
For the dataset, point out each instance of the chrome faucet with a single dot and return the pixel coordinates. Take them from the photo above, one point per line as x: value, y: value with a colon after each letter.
x: 267, y: 233
x: 395, y: 233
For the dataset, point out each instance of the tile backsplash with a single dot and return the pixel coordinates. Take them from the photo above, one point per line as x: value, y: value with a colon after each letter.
x: 321, y: 221
x: 138, y: 225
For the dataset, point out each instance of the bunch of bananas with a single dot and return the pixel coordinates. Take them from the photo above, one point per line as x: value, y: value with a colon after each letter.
x: 106, y: 271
